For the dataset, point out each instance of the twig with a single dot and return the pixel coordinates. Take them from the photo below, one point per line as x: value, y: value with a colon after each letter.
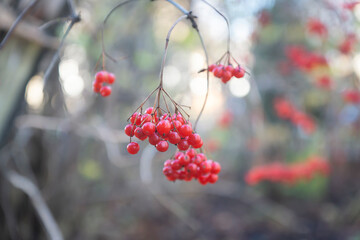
x: 104, y: 53
x: 226, y: 20
x: 38, y: 201
x: 18, y: 19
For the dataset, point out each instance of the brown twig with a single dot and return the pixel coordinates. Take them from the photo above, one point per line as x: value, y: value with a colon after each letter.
x: 18, y: 19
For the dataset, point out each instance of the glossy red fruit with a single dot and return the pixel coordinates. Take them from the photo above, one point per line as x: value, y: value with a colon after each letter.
x: 149, y: 110
x: 167, y: 163
x: 199, y: 145
x: 203, y: 179
x: 205, y: 167
x: 111, y: 78
x: 129, y: 130
x: 174, y: 137
x: 105, y: 91
x: 175, y: 165
x: 191, y: 152
x: 167, y: 170
x: 213, y: 178
x: 191, y: 168
x: 185, y: 130
x: 239, y: 72
x: 148, y: 128
x: 162, y: 146
x: 163, y: 127
x: 183, y: 145
x: 212, y: 67
x: 226, y: 76
x: 140, y: 134
x: 215, y: 167
x: 154, y: 139
x: 146, y: 118
x: 96, y: 88
x: 230, y: 69
x: 184, y: 159
x: 194, y: 139
x: 218, y: 72
x: 133, y: 148
x: 101, y: 76
x: 176, y: 125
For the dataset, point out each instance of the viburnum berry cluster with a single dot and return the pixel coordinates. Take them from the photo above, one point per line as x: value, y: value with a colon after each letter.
x: 288, y: 174
x: 287, y: 111
x: 102, y: 78
x: 191, y: 165
x: 160, y: 131
x: 316, y: 27
x: 225, y: 70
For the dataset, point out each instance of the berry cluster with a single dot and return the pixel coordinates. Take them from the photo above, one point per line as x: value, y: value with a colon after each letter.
x: 316, y: 27
x: 101, y: 78
x: 191, y: 165
x: 160, y: 131
x: 288, y: 174
x: 351, y: 96
x: 286, y: 110
x: 304, y: 59
x: 225, y: 73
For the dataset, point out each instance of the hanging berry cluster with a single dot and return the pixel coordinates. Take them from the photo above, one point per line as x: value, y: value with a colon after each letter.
x: 224, y: 69
x: 191, y: 165
x: 101, y: 78
x: 160, y: 131
x: 288, y: 174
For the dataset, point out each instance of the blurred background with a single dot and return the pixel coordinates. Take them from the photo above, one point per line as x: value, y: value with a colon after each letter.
x: 287, y: 135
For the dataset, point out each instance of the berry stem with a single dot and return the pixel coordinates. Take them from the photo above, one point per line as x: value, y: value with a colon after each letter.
x: 104, y: 53
x: 226, y: 20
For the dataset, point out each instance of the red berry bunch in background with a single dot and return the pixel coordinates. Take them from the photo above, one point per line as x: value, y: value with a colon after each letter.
x: 225, y: 73
x: 101, y: 78
x: 162, y: 130
x: 286, y: 110
x: 288, y: 174
x: 316, y: 27
x: 191, y: 165
x: 351, y: 96
x: 304, y: 59
x: 348, y: 44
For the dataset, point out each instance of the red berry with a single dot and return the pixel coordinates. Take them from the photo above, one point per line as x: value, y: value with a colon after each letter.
x: 163, y: 127
x: 213, y: 178
x: 129, y: 130
x: 215, y: 167
x: 167, y: 170
x: 218, y: 72
x: 202, y: 157
x: 212, y: 67
x: 194, y: 139
x: 175, y: 165
x: 133, y: 148
x: 167, y: 163
x: 199, y: 145
x: 230, y: 69
x: 105, y: 91
x: 226, y: 76
x: 178, y: 155
x: 191, y: 152
x: 96, y: 89
x: 162, y: 146
x: 110, y: 78
x: 149, y: 110
x: 146, y: 118
x: 205, y: 167
x: 191, y: 168
x: 176, y: 124
x: 184, y: 159
x: 239, y: 72
x: 154, y: 139
x: 203, y: 179
x: 101, y: 76
x: 148, y: 128
x: 174, y: 137
x: 185, y: 130
x: 139, y: 134
x: 183, y: 145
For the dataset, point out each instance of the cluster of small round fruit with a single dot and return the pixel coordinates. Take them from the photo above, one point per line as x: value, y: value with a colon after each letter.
x: 160, y: 131
x: 225, y: 73
x: 288, y: 174
x: 101, y: 78
x: 191, y: 165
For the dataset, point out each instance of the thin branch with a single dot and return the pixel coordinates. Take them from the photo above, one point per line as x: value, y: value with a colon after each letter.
x: 167, y: 45
x: 226, y: 20
x: 104, y: 52
x: 54, y: 21
x: 18, y: 19
x: 38, y: 201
